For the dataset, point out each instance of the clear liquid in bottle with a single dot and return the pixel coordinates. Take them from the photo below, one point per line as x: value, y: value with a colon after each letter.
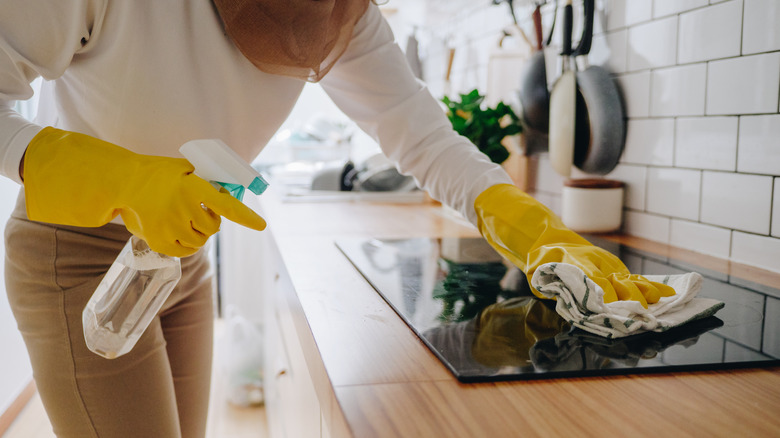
x: 130, y: 295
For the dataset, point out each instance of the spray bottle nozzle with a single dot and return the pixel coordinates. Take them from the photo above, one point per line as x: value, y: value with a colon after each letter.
x: 257, y: 187
x: 215, y: 162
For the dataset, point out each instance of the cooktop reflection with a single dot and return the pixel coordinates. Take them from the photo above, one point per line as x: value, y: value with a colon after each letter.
x: 478, y: 316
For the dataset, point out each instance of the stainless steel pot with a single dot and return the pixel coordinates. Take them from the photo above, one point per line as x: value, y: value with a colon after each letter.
x: 601, y: 119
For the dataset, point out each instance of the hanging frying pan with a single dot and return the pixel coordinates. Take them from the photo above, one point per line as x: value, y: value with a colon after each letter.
x: 601, y: 127
x: 533, y: 93
x: 563, y: 99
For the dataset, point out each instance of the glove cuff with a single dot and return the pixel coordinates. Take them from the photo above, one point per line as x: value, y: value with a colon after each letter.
x: 515, y: 224
x: 65, y: 178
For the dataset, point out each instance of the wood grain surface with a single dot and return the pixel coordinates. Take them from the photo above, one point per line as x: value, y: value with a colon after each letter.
x: 377, y: 379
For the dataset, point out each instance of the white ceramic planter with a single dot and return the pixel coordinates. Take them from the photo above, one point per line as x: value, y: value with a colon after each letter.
x: 592, y: 205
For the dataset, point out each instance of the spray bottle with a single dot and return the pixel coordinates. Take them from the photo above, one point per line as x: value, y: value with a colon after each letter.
x: 140, y: 280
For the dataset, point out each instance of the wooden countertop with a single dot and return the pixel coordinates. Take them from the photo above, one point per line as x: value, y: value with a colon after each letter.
x: 375, y: 378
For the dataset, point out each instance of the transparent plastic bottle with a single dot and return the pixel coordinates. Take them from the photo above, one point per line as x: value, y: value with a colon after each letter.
x: 140, y: 280
x: 130, y: 295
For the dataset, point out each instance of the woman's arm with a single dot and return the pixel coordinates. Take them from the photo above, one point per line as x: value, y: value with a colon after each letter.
x: 37, y: 38
x: 373, y: 84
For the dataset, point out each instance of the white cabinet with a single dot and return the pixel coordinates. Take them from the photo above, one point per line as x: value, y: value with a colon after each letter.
x: 292, y: 407
x: 254, y: 281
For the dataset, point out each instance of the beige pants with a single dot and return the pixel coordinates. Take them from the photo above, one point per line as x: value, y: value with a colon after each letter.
x: 159, y: 389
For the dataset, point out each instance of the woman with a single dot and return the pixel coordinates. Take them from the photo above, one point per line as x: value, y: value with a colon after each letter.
x: 128, y: 82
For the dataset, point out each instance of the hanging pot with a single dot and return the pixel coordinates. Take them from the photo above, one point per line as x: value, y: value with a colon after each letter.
x: 563, y: 99
x: 601, y: 127
x: 534, y: 94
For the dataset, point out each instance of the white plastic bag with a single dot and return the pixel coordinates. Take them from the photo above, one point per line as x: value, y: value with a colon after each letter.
x: 242, y: 360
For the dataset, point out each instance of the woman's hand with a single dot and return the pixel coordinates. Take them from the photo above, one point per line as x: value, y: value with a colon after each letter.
x: 530, y: 235
x: 75, y: 179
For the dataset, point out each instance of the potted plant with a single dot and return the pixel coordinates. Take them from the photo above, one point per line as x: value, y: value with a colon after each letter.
x: 485, y: 127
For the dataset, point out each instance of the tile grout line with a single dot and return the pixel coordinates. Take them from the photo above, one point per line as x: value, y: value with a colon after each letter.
x: 646, y: 182
x: 772, y: 206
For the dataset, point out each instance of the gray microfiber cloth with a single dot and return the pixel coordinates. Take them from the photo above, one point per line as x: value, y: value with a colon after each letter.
x: 580, y: 301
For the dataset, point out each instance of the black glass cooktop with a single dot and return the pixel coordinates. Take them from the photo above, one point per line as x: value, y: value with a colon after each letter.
x: 479, y: 318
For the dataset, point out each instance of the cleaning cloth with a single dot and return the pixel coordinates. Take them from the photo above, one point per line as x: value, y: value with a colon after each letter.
x: 580, y: 301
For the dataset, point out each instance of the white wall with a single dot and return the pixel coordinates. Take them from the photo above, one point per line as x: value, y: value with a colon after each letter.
x: 701, y: 80
x: 15, y: 370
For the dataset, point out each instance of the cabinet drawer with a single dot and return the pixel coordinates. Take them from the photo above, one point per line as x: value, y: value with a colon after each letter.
x: 293, y: 408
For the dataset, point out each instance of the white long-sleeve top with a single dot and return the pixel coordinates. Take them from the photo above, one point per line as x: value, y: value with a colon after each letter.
x: 150, y: 75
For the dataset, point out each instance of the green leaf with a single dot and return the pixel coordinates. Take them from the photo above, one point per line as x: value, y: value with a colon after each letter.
x: 483, y: 126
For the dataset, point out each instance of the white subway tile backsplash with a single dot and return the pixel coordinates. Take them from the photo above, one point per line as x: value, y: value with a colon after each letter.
x: 553, y: 202
x: 678, y: 91
x: 435, y: 62
x: 776, y: 209
x: 662, y: 8
x: 548, y: 16
x: 480, y: 21
x: 477, y: 76
x: 647, y: 226
x: 599, y: 20
x: 761, y: 30
x: 462, y: 44
x: 706, y: 143
x: 638, y: 11
x: 547, y: 180
x: 744, y: 85
x: 700, y: 80
x: 481, y: 49
x: 609, y: 51
x: 622, y: 13
x: 652, y: 44
x: 649, y: 141
x: 702, y: 238
x: 736, y: 201
x: 634, y: 179
x: 761, y: 251
x: 759, y: 144
x: 615, y: 14
x: 710, y: 33
x: 635, y: 88
x: 674, y: 192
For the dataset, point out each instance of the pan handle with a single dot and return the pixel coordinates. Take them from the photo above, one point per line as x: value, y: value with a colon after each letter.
x: 537, y: 16
x: 552, y: 26
x: 583, y: 48
x: 567, y: 25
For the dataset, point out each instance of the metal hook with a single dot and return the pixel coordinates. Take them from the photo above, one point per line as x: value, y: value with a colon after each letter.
x: 511, y: 7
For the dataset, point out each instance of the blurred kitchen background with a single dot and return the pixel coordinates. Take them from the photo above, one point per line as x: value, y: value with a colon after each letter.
x: 700, y: 81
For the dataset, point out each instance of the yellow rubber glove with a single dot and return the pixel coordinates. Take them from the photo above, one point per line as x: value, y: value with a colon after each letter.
x: 528, y: 234
x: 75, y: 179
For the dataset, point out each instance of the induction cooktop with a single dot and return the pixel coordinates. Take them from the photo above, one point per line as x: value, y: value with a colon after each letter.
x: 477, y: 314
